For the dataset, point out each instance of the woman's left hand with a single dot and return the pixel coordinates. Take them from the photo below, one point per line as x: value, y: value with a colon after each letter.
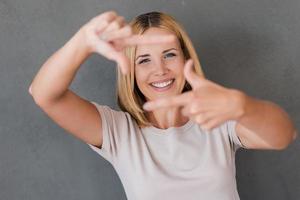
x: 208, y: 103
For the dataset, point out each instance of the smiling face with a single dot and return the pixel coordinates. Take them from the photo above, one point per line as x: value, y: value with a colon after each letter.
x: 159, y: 68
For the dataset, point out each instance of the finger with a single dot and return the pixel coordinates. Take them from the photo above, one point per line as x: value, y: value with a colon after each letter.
x: 178, y: 100
x: 125, y: 31
x: 213, y: 123
x: 191, y: 75
x: 106, y: 16
x: 100, y: 22
x: 118, y: 23
x: 146, y: 39
x: 203, y: 117
x: 122, y: 60
x: 197, y: 106
x: 109, y: 52
x: 194, y: 109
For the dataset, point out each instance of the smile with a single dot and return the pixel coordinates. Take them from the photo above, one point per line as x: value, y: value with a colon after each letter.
x: 162, y: 86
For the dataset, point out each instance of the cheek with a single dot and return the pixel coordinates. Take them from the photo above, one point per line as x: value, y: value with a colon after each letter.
x: 177, y: 64
x: 178, y: 69
x: 140, y: 77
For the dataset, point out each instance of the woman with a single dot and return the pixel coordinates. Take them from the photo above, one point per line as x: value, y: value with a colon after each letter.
x: 182, y: 144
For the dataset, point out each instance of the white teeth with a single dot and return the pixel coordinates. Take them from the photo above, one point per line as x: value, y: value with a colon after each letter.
x: 163, y: 84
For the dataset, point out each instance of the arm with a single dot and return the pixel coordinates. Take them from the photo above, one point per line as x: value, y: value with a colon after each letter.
x: 57, y: 73
x: 49, y: 88
x: 55, y: 76
x: 260, y: 124
x: 50, y: 92
x: 263, y: 124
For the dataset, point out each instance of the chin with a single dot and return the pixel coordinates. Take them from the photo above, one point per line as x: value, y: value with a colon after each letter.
x: 157, y: 95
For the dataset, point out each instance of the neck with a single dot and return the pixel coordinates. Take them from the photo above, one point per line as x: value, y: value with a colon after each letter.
x: 165, y: 118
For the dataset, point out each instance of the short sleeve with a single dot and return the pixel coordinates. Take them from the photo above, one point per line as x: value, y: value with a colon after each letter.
x: 233, y: 137
x: 114, y: 132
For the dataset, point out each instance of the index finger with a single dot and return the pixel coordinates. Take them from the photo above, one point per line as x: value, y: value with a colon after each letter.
x: 147, y: 39
x: 178, y: 100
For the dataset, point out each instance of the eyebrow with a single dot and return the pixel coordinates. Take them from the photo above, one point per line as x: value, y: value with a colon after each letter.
x: 145, y: 55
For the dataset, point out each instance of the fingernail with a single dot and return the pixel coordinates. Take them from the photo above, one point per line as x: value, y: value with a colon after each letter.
x: 146, y: 106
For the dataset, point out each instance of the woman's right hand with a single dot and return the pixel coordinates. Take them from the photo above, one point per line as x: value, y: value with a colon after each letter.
x: 108, y: 34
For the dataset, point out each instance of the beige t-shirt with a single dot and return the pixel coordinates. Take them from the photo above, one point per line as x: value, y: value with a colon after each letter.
x: 178, y: 163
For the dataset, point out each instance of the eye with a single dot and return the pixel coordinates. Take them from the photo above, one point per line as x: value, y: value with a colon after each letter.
x: 143, y: 61
x: 170, y: 55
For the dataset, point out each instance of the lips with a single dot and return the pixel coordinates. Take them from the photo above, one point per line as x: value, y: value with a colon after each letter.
x: 164, y: 85
x: 162, y: 80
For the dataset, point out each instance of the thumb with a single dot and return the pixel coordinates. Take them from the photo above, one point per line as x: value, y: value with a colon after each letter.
x: 191, y: 75
x: 122, y: 61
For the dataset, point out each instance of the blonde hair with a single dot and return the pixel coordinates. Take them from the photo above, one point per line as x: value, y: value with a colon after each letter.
x: 130, y: 99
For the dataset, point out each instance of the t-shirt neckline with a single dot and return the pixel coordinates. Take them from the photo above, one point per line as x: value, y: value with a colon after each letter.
x: 158, y: 131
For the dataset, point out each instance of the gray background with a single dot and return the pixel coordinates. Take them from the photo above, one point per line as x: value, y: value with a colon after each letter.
x: 249, y: 45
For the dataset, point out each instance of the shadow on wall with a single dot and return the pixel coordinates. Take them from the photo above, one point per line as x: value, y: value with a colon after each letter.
x: 234, y: 53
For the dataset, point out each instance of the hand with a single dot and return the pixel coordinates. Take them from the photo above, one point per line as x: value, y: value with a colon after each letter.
x: 208, y: 103
x: 108, y: 34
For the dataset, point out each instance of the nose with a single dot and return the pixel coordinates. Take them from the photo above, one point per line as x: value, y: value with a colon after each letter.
x: 161, y: 68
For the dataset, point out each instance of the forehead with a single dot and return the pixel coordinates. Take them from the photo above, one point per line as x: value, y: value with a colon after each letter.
x: 146, y: 48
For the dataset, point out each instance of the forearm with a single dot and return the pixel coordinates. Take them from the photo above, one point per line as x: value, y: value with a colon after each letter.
x: 57, y: 73
x: 267, y: 121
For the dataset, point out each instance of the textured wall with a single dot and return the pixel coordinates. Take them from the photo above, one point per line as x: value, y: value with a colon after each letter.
x: 249, y: 45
